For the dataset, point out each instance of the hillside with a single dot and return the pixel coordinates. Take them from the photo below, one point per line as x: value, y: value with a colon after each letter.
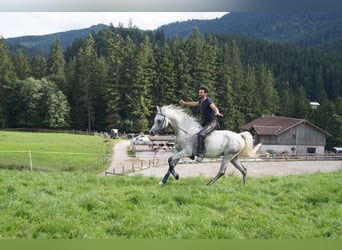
x: 311, y: 29
x: 32, y: 44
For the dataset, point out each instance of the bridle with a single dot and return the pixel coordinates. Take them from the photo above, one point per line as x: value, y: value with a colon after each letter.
x: 164, y: 120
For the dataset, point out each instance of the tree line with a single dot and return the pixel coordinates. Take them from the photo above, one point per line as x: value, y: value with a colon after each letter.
x: 115, y: 79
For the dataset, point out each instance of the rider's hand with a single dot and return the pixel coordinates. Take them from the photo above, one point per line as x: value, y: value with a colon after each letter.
x: 181, y: 102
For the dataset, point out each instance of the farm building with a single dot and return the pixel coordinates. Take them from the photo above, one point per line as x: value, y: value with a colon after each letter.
x: 287, y: 135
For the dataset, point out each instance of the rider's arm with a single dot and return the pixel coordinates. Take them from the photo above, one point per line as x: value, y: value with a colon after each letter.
x: 216, y: 110
x: 191, y: 104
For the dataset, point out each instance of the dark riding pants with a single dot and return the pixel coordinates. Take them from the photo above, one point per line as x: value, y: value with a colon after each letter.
x: 204, y: 132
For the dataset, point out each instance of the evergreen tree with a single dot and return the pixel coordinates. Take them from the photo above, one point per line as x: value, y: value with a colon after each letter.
x: 115, y: 60
x: 210, y: 54
x: 301, y: 104
x: 56, y: 64
x: 140, y: 99
x: 7, y: 74
x: 236, y: 75
x: 38, y: 66
x: 129, y: 63
x: 286, y: 100
x: 91, y: 76
x: 194, y: 50
x: 268, y: 93
x: 224, y: 99
x: 165, y: 85
x: 21, y: 65
x: 250, y: 101
x: 183, y: 88
x: 73, y: 91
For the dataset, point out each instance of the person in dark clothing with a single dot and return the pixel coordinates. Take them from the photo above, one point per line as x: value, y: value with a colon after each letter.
x: 209, y: 111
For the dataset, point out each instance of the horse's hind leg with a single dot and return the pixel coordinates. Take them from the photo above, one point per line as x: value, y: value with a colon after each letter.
x: 222, y: 170
x: 241, y: 168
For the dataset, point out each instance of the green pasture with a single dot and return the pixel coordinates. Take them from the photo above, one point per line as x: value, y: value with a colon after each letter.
x: 53, y: 151
x: 69, y: 205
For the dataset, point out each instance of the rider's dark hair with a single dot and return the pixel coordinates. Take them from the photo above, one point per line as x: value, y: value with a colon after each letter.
x: 205, y: 88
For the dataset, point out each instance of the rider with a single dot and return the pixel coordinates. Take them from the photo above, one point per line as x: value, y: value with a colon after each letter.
x: 209, y: 111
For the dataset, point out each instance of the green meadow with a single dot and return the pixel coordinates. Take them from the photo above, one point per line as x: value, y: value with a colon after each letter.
x: 53, y: 151
x: 66, y: 205
x: 61, y: 199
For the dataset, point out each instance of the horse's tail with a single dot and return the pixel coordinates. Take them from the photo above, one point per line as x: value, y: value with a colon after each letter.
x: 249, y: 150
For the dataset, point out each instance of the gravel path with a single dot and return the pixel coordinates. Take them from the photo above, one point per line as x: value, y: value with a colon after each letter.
x: 190, y: 168
x: 120, y: 157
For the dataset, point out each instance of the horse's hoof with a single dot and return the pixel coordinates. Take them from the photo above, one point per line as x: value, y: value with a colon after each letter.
x: 177, y: 176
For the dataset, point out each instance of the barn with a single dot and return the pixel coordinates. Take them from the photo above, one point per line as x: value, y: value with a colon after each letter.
x: 287, y: 135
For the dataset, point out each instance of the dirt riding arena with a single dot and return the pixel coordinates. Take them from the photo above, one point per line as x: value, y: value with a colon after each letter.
x: 121, y: 163
x: 255, y: 168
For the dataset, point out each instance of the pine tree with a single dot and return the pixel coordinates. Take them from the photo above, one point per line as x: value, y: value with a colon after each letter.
x: 268, y: 93
x: 251, y: 102
x: 38, y: 66
x: 140, y: 99
x: 21, y: 65
x: 165, y: 85
x: 193, y: 48
x: 56, y: 64
x: 236, y: 75
x: 224, y: 98
x: 183, y: 88
x: 115, y: 60
x: 210, y: 54
x: 7, y: 74
x: 286, y: 100
x: 91, y: 76
x: 301, y: 104
x: 128, y: 66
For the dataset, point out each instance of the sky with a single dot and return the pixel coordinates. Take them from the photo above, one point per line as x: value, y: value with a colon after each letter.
x: 15, y: 24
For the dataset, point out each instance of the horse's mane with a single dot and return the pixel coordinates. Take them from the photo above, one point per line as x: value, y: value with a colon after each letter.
x: 188, y: 119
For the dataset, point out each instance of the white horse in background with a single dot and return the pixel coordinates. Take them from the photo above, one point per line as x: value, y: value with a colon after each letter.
x: 224, y: 143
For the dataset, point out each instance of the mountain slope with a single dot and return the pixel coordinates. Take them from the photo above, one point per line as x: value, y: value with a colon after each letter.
x: 311, y: 29
x: 32, y: 44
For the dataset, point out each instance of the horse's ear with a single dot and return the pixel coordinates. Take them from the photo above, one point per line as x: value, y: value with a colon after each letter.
x: 158, y: 109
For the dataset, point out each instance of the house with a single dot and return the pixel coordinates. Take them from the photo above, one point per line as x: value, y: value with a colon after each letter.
x: 287, y: 135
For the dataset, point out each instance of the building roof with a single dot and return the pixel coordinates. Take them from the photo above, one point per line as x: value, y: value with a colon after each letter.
x: 276, y: 125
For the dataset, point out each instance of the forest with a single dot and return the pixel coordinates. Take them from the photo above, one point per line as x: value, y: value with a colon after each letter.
x: 116, y: 77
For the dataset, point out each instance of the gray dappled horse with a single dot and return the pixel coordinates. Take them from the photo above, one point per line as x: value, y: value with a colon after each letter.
x: 224, y: 143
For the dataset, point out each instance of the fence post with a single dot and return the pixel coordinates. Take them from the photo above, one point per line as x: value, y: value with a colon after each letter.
x: 30, y: 156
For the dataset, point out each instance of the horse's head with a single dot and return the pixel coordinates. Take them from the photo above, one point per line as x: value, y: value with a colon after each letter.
x: 160, y: 122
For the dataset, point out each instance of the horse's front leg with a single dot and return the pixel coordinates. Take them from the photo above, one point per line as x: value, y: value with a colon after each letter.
x: 173, y: 160
x: 171, y: 170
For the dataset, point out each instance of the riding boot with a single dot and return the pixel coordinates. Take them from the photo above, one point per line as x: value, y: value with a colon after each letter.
x: 200, y: 148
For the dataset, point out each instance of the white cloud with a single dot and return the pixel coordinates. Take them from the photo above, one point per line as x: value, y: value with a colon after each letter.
x: 14, y: 24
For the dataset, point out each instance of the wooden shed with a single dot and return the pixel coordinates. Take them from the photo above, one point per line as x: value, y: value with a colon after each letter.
x: 287, y: 135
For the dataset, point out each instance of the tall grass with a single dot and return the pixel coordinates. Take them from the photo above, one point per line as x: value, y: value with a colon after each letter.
x: 51, y: 151
x: 73, y: 205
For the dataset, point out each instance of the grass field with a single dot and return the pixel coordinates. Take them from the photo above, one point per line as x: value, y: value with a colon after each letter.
x: 52, y: 151
x: 69, y: 202
x: 75, y: 205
